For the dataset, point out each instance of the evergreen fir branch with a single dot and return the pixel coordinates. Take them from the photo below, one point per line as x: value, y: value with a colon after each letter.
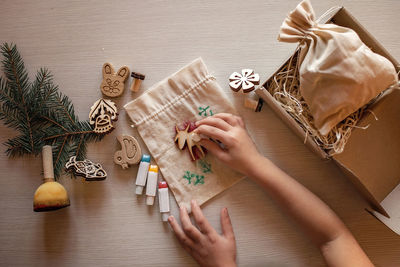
x: 68, y: 134
x: 61, y: 153
x: 9, y: 109
x: 64, y: 108
x: 5, y: 95
x: 80, y: 148
x: 40, y: 86
x: 17, y: 77
x: 44, y: 98
x: 54, y: 122
x: 18, y: 146
x: 10, y: 118
x: 40, y: 113
x: 15, y: 71
x: 60, y: 150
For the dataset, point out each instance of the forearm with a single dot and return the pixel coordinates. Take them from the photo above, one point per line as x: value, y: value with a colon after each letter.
x: 321, y: 224
x: 310, y: 212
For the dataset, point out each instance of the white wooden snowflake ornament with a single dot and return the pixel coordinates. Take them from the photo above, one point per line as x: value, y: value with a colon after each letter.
x: 245, y: 81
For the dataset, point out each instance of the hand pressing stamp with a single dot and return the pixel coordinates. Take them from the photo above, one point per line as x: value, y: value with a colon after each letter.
x: 101, y: 115
x: 113, y: 84
x: 245, y: 81
x: 130, y: 152
x: 87, y: 169
x: 189, y: 138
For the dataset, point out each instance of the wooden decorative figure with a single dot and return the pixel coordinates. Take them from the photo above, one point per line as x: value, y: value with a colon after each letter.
x: 189, y: 138
x: 130, y: 152
x: 101, y: 115
x: 87, y: 169
x: 245, y: 81
x: 113, y: 84
x: 50, y: 195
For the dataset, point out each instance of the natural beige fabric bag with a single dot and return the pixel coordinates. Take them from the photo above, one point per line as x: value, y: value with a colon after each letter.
x: 188, y: 95
x: 338, y: 72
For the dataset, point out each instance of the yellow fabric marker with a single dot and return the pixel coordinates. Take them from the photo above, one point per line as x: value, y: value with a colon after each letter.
x: 151, y: 187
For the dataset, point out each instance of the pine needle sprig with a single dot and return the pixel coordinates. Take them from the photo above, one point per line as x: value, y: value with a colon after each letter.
x: 18, y: 84
x: 40, y: 113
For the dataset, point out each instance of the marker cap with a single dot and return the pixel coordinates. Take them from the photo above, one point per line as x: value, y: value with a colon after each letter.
x: 139, y: 189
x: 165, y: 216
x: 153, y: 168
x: 150, y: 200
x: 162, y: 184
x: 145, y: 158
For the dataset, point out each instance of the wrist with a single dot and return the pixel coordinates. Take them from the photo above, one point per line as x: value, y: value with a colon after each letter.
x: 257, y: 167
x: 228, y: 264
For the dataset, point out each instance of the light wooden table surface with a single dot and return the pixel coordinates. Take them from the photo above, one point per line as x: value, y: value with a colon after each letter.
x: 106, y: 225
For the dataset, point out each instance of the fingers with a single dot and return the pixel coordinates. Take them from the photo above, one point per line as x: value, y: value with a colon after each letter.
x: 230, y: 118
x: 226, y: 225
x: 200, y: 220
x: 214, y: 133
x: 216, y: 122
x: 185, y: 241
x: 215, y: 149
x: 188, y: 227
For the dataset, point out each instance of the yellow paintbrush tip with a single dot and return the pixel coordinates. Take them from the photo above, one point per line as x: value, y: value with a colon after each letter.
x: 50, y: 196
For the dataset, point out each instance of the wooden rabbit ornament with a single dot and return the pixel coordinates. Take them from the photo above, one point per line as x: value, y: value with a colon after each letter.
x: 113, y: 84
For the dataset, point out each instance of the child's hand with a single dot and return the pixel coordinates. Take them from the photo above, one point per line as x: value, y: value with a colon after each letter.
x: 204, y: 244
x: 240, y: 152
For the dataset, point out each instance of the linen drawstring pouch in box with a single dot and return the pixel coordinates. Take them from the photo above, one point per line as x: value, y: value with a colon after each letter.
x: 188, y: 95
x: 338, y: 72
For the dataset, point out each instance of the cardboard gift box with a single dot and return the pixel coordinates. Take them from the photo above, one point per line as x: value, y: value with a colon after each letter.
x: 371, y: 157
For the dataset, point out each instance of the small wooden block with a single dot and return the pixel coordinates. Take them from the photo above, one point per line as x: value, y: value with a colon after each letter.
x: 113, y: 84
x: 245, y: 81
x: 137, y: 81
x: 101, y: 115
x: 130, y: 152
x: 254, y: 105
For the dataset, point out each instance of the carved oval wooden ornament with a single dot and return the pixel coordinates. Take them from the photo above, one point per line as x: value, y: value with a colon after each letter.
x: 130, y: 152
x: 87, y: 169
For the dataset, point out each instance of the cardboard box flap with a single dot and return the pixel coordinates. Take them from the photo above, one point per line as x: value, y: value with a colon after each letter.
x: 373, y: 155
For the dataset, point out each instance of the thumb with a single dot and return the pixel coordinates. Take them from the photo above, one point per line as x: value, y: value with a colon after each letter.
x: 226, y: 225
x: 215, y: 149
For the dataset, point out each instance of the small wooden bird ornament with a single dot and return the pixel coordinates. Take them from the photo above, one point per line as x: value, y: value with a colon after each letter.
x: 130, y: 152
